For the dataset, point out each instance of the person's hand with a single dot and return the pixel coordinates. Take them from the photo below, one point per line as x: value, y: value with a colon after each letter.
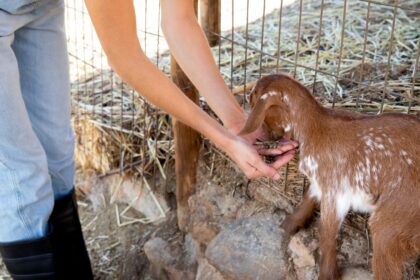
x: 250, y: 161
x: 282, y: 154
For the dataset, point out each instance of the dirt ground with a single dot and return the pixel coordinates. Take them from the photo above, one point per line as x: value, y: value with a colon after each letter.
x: 117, y: 251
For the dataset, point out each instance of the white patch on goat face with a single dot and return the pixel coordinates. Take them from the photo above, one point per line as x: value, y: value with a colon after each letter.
x: 409, y: 161
x: 349, y: 197
x: 288, y: 127
x: 268, y: 94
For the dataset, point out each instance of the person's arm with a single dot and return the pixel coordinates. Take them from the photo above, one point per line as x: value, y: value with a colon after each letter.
x: 191, y: 50
x: 115, y: 24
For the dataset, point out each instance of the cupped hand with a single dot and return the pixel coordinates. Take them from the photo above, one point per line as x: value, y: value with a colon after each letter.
x: 282, y: 154
x: 250, y: 161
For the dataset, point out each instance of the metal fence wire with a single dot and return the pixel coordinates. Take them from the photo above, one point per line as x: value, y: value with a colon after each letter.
x: 358, y: 55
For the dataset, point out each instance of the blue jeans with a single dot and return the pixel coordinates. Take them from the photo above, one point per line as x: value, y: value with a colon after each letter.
x: 36, y: 138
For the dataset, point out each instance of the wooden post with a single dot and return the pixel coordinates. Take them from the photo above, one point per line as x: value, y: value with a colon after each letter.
x: 187, y: 148
x: 187, y: 140
x: 210, y: 20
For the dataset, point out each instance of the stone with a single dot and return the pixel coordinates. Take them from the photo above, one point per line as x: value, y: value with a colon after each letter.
x: 250, y: 248
x: 204, y: 232
x: 192, y: 251
x: 356, y: 273
x: 302, y: 246
x: 269, y: 196
x: 206, y: 271
x: 210, y: 208
x: 159, y: 253
x: 164, y: 262
x: 302, y: 256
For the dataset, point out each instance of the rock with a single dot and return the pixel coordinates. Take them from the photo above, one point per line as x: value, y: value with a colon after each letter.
x: 204, y: 232
x: 302, y: 256
x: 211, y: 207
x: 159, y: 253
x: 129, y: 190
x: 354, y: 247
x: 164, y: 262
x: 356, y: 273
x: 302, y: 247
x: 192, y: 251
x: 269, y: 196
x: 206, y: 271
x: 250, y: 248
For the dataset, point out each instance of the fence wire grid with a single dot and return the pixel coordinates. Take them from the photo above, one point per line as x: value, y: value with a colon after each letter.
x: 357, y: 55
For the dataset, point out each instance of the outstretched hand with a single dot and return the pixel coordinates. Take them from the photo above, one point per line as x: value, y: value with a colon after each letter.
x: 248, y: 156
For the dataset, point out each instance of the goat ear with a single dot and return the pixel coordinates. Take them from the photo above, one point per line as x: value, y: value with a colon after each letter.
x: 257, y: 116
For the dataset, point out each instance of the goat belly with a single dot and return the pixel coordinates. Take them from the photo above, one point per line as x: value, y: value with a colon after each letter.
x: 351, y: 198
x: 345, y: 194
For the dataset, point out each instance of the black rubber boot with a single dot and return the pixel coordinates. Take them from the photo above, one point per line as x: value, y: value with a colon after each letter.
x: 71, y: 257
x: 31, y: 259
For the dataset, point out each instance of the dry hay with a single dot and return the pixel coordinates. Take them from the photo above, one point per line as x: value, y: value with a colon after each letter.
x: 117, y: 130
x: 364, y: 76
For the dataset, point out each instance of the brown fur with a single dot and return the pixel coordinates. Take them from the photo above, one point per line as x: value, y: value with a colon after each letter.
x: 371, y: 163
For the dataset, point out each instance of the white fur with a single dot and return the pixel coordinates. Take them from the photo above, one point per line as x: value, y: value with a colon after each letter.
x: 314, y: 189
x: 349, y: 197
x: 288, y: 127
x: 309, y: 166
x: 268, y: 94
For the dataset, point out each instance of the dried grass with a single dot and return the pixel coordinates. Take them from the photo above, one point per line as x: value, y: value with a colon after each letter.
x: 117, y: 130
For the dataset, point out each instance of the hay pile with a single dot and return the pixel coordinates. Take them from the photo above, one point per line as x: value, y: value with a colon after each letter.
x: 117, y: 130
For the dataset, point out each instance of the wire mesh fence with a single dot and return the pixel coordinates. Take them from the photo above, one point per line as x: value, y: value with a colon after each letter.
x: 357, y: 55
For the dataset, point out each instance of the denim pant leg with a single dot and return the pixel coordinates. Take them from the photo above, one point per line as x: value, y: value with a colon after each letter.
x: 26, y: 195
x: 41, y: 51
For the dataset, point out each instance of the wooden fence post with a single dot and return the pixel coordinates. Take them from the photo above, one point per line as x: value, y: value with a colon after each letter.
x: 187, y: 147
x: 210, y: 20
x: 187, y: 140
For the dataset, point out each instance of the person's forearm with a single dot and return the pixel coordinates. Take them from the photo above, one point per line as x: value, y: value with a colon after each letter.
x: 119, y: 40
x: 190, y: 48
x: 155, y: 87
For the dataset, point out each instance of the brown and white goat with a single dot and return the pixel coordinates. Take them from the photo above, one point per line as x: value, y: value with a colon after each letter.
x: 354, y: 161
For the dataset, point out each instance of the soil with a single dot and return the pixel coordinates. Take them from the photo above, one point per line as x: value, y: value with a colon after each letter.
x: 117, y: 251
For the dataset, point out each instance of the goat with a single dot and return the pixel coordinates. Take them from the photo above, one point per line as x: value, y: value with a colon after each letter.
x: 354, y: 161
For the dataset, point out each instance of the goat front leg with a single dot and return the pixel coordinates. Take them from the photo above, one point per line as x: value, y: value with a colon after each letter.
x: 300, y: 217
x: 330, y: 225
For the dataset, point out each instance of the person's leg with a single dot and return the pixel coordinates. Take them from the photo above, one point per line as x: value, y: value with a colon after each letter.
x: 26, y: 195
x: 41, y: 52
x: 40, y: 47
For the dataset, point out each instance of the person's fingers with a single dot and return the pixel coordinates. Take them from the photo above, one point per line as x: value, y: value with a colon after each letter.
x: 284, y: 141
x: 263, y: 169
x: 276, y: 151
x: 283, y: 159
